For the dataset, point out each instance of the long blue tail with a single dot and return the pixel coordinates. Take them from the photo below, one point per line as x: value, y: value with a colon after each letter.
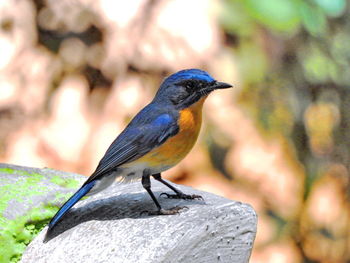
x: 71, y: 201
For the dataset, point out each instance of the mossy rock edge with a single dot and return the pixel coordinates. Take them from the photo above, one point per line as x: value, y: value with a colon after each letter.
x: 29, y: 197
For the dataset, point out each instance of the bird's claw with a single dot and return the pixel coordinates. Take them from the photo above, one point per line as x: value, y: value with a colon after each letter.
x: 182, y: 196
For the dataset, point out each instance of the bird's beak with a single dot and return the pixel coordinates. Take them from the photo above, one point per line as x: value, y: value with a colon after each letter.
x: 220, y: 85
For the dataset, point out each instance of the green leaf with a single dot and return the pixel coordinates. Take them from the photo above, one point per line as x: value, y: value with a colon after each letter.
x: 314, y: 19
x: 332, y: 8
x: 279, y: 15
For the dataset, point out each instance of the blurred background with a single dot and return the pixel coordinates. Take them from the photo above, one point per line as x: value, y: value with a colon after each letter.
x: 73, y: 73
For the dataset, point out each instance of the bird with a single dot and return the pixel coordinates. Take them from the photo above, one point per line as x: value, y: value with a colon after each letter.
x: 155, y: 140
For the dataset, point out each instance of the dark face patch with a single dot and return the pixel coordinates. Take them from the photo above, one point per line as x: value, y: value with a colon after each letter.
x: 186, y: 87
x: 189, y: 91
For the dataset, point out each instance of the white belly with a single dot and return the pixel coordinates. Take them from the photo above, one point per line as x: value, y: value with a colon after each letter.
x: 125, y: 175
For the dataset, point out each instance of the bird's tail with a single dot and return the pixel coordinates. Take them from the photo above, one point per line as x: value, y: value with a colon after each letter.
x: 71, y: 201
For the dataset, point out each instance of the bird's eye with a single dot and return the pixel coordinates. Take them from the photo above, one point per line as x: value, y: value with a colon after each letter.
x: 189, y: 86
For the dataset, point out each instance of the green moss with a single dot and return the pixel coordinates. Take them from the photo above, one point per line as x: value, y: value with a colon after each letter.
x: 21, y: 191
x: 16, y: 234
x: 7, y: 170
x: 68, y: 183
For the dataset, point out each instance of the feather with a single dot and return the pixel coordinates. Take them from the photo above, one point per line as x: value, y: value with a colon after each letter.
x: 140, y: 137
x: 71, y: 201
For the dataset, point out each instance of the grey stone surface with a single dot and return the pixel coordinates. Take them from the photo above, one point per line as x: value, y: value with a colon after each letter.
x: 109, y: 227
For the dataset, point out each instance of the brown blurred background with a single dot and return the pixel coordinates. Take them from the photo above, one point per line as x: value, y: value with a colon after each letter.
x: 74, y: 72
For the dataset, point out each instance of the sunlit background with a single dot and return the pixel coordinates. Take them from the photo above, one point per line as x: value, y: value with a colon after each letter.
x: 73, y: 73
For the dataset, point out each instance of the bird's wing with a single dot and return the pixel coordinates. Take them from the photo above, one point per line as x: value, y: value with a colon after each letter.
x: 135, y: 141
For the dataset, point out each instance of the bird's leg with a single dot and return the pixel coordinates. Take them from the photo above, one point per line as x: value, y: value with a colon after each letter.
x: 146, y: 183
x: 179, y: 194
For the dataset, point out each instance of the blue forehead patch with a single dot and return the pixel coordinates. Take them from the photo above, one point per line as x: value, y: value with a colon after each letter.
x: 190, y: 74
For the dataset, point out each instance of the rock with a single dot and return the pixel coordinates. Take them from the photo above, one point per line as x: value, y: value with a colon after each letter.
x: 29, y: 197
x: 110, y: 227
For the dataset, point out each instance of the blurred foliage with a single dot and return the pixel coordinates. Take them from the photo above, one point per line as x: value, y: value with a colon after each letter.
x: 294, y: 57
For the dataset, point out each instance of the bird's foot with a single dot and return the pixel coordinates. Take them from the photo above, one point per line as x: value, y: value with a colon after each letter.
x: 172, y: 211
x: 182, y: 196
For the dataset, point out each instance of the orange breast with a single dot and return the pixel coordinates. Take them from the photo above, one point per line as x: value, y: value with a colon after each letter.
x: 177, y: 147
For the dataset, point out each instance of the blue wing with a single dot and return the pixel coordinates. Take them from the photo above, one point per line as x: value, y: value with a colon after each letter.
x: 149, y: 129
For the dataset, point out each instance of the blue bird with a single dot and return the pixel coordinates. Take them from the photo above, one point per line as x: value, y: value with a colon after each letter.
x: 156, y: 139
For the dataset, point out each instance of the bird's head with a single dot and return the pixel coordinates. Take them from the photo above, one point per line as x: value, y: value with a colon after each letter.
x: 186, y: 87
